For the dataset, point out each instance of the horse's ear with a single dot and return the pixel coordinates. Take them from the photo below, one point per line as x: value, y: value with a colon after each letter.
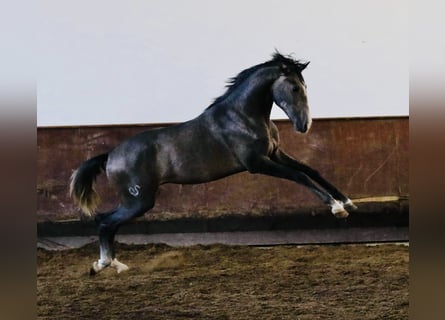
x: 304, y: 65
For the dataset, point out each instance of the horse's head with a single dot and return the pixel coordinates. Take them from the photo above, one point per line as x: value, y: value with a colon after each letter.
x: 289, y: 93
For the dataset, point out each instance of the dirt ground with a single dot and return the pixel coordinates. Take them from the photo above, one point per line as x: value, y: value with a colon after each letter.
x: 227, y: 282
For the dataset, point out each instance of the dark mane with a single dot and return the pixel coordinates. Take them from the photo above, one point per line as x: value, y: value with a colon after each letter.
x: 286, y: 63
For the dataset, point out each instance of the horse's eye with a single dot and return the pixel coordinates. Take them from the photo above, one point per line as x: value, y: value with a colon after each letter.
x: 295, y: 89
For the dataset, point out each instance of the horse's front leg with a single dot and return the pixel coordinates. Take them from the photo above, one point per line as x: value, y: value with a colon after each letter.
x: 281, y: 157
x: 265, y: 165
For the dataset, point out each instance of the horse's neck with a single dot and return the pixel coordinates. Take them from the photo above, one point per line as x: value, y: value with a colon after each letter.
x: 254, y: 96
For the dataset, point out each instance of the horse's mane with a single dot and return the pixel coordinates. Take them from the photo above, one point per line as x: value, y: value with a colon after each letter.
x: 284, y: 62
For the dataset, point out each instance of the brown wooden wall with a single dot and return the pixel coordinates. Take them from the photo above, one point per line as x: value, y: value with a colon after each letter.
x: 364, y: 157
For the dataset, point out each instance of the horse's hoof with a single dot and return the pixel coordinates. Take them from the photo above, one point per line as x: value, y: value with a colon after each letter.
x: 119, y: 266
x: 350, y: 205
x: 337, y: 210
x: 341, y: 214
x: 92, y: 272
x: 97, y: 267
x: 121, y: 269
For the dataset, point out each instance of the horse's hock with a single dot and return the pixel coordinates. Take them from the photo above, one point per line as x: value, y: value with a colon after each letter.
x: 367, y: 158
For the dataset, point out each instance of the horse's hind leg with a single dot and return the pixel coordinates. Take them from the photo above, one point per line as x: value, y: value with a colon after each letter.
x: 108, y: 224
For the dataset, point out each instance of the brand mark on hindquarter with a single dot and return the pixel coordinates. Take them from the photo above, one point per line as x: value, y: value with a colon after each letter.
x: 134, y: 190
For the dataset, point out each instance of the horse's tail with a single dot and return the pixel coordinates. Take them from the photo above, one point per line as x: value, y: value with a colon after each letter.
x: 82, y: 184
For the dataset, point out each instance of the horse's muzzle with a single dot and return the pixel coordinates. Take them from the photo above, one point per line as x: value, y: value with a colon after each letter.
x: 303, y: 122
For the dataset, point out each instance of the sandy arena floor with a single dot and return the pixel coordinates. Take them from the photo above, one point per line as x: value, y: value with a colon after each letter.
x: 227, y: 282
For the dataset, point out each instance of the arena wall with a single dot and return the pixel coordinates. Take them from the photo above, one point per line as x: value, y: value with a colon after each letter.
x: 367, y: 158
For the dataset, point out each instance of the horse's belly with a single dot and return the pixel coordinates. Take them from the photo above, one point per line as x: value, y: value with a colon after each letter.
x: 198, y: 167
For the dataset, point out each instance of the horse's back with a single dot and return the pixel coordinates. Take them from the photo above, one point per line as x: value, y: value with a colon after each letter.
x: 184, y: 153
x: 194, y: 154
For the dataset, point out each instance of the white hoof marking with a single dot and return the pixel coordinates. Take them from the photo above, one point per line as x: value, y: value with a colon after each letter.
x: 350, y: 205
x: 338, y: 210
x: 336, y: 207
x: 119, y: 266
x: 99, y: 266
